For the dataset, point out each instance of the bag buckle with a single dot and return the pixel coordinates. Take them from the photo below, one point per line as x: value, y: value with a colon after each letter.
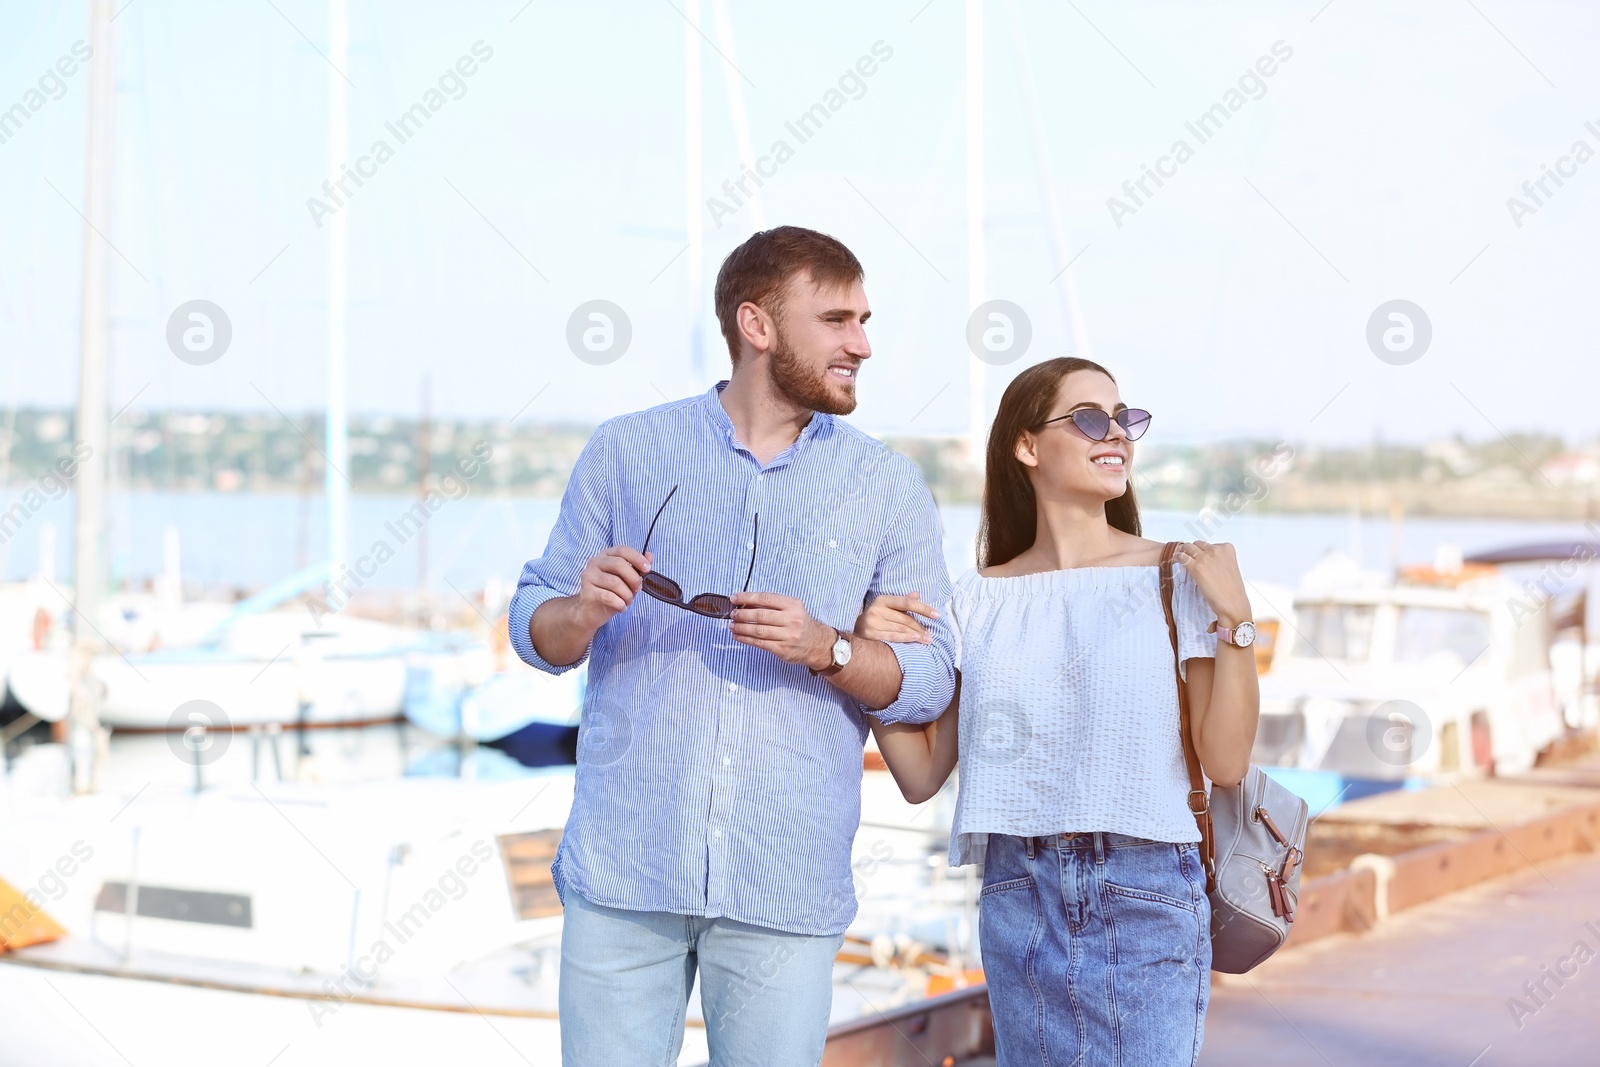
x: 1205, y: 801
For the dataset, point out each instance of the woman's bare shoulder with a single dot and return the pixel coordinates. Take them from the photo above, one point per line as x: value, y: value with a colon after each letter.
x: 1009, y: 569
x: 1128, y: 550
x: 1138, y: 552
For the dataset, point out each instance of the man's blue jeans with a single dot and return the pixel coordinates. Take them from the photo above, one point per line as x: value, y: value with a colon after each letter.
x: 626, y: 976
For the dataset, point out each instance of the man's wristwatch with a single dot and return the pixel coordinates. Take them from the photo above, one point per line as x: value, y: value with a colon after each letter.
x: 1241, y: 636
x: 840, y: 652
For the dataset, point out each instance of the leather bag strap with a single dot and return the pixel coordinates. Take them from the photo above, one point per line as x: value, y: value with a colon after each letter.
x: 1191, y: 759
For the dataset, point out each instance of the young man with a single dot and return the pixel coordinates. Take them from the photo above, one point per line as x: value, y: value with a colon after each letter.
x: 710, y: 559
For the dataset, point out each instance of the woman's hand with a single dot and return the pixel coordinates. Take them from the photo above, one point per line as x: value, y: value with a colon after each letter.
x: 1215, y: 570
x: 892, y: 619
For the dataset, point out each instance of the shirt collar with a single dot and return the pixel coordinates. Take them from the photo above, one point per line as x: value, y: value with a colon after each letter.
x: 820, y: 422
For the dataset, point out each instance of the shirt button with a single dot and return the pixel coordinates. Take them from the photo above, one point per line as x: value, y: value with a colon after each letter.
x: 761, y: 477
x: 716, y: 833
x: 732, y: 687
x: 750, y: 546
x: 726, y: 761
x: 833, y: 544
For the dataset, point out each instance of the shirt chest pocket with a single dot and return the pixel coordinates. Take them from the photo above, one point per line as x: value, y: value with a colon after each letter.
x: 829, y: 569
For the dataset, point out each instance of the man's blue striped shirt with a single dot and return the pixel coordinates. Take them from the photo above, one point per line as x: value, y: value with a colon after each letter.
x: 713, y: 778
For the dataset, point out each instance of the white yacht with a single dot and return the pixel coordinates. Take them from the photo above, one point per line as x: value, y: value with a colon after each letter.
x: 281, y: 666
x: 1445, y: 671
x: 399, y: 919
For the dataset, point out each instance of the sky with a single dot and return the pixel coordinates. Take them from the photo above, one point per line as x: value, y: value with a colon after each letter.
x: 1237, y: 298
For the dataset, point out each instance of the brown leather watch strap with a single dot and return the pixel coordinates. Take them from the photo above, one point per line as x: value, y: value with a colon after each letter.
x: 832, y: 668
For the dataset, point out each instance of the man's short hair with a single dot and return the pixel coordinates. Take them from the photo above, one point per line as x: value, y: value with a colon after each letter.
x: 759, y: 272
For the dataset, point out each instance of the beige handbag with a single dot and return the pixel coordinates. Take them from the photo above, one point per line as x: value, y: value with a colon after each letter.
x: 1252, y: 867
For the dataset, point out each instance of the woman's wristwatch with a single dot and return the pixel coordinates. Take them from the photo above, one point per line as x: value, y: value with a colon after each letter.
x: 1241, y: 636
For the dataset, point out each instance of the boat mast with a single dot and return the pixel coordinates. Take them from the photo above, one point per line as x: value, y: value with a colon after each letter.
x: 1045, y: 176
x: 736, y: 109
x: 424, y: 474
x: 93, y: 427
x: 336, y: 489
x: 977, y: 381
x: 695, y: 255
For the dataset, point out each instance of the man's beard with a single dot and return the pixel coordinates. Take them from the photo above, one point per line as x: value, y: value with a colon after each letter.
x: 803, y: 386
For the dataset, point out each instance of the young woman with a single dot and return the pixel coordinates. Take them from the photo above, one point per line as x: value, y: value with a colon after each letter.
x: 1093, y: 918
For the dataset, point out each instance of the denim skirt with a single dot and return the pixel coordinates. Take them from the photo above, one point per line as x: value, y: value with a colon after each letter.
x: 1097, y: 950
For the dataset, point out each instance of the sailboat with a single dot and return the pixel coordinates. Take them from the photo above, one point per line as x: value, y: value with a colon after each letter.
x: 491, y: 697
x: 274, y: 667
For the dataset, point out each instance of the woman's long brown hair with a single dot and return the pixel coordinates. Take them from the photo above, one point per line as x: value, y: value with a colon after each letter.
x: 1009, y: 520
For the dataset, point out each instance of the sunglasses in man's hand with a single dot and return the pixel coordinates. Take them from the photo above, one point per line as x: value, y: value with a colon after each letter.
x: 664, y: 589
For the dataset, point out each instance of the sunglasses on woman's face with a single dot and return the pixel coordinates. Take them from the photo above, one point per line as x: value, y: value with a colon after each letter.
x: 664, y: 589
x: 1096, y: 424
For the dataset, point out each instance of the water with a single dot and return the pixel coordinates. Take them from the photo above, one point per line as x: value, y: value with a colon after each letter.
x: 252, y: 539
x: 1282, y: 547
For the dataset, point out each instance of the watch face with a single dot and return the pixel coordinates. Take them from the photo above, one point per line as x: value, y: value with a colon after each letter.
x: 1245, y: 634
x: 841, y: 651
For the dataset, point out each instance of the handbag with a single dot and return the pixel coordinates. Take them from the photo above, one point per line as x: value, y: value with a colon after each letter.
x: 1252, y: 867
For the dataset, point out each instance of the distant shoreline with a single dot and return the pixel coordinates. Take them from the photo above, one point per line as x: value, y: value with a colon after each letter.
x: 1337, y: 500
x: 1521, y: 476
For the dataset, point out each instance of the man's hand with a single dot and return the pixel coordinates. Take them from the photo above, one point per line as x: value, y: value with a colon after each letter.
x: 782, y: 626
x: 608, y: 584
x: 562, y: 628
